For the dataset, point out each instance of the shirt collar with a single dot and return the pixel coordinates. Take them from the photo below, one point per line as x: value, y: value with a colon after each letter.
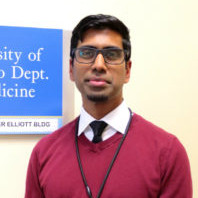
x: 117, y: 119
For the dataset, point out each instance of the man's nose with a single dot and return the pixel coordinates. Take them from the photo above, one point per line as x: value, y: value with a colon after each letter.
x: 99, y: 63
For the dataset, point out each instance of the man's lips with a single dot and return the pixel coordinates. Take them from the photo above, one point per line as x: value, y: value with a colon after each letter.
x: 97, y: 82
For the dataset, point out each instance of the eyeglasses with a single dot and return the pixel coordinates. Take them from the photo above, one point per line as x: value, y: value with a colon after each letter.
x: 87, y: 55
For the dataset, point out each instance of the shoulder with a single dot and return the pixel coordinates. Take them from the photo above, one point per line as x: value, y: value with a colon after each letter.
x: 56, y: 139
x: 156, y: 142
x: 147, y: 128
x: 165, y: 153
x: 154, y: 137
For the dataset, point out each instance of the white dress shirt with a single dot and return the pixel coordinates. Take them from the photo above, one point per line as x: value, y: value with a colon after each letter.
x: 117, y: 121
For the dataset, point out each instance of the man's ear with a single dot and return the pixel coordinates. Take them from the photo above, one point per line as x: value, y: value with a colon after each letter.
x: 71, y: 70
x: 128, y: 71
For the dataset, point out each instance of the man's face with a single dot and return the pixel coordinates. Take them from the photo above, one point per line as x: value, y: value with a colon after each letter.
x: 100, y: 81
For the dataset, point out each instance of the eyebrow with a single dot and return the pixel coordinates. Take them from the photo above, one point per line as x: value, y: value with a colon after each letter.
x: 93, y: 47
x: 88, y: 46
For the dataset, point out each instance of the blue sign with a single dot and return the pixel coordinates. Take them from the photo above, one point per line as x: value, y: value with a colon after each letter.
x: 30, y: 74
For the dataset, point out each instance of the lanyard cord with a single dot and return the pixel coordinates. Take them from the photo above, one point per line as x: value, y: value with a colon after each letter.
x: 88, y: 190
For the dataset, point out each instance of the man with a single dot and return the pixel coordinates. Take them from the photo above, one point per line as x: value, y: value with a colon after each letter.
x: 132, y: 158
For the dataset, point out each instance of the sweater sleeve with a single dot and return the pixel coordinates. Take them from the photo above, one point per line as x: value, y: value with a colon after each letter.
x: 175, y: 173
x: 33, y: 189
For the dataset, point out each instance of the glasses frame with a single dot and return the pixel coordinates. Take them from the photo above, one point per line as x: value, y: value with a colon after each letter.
x: 99, y: 51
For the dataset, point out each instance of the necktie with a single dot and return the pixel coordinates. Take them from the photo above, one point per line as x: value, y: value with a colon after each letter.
x: 97, y: 127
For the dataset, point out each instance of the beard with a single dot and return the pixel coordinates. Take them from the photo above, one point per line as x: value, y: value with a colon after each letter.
x: 99, y: 98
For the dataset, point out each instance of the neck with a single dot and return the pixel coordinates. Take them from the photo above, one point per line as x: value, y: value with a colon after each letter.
x: 99, y: 109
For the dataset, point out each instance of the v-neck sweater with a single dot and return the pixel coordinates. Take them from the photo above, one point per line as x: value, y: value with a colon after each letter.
x: 151, y: 164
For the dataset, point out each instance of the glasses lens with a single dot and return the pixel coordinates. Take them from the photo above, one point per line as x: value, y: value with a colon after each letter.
x: 85, y: 55
x: 113, y: 56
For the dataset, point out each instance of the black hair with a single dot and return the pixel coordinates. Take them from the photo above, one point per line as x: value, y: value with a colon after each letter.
x: 100, y: 22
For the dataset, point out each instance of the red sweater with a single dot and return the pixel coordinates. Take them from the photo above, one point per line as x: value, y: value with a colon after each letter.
x: 151, y: 164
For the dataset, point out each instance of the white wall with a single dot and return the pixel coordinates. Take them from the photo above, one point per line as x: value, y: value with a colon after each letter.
x: 163, y: 86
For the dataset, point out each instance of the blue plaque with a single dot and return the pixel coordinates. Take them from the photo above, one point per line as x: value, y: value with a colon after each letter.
x: 30, y: 80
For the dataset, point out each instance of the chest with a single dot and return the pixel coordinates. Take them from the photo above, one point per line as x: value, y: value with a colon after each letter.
x: 133, y: 175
